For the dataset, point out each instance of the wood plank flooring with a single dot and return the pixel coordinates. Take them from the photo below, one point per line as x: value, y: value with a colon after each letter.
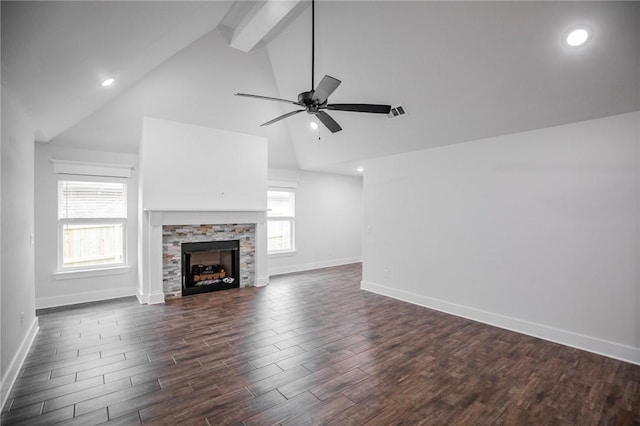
x: 308, y: 349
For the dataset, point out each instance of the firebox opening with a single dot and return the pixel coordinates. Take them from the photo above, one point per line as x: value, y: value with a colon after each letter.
x: 210, y: 266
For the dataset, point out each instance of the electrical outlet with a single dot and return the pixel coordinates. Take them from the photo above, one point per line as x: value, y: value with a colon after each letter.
x: 386, y: 273
x: 21, y: 319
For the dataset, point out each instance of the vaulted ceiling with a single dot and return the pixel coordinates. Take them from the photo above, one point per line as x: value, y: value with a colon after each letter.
x: 463, y: 70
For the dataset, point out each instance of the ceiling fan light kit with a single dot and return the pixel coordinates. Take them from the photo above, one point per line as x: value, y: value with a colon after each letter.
x: 316, y: 101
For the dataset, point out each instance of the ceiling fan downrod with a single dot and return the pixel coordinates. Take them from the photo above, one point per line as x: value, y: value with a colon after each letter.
x: 313, y: 42
x: 314, y: 101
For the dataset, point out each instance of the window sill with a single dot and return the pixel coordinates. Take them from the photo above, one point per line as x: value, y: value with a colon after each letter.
x: 88, y: 273
x: 282, y: 253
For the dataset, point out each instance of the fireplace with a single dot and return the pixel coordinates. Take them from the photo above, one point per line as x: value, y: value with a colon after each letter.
x: 178, y: 269
x: 210, y: 266
x: 164, y: 232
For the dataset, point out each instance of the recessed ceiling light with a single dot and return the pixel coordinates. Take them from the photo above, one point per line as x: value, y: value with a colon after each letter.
x: 359, y: 170
x: 108, y: 82
x: 577, y: 36
x: 313, y: 125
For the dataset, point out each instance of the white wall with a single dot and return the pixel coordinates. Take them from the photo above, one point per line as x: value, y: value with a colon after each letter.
x: 19, y: 323
x: 65, y: 291
x: 328, y: 221
x: 196, y: 170
x: 199, y: 168
x: 536, y: 232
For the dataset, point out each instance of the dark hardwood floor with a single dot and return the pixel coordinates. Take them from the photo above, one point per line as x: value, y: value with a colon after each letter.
x: 308, y: 349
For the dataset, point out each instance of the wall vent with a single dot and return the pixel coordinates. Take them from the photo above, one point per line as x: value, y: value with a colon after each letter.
x: 397, y: 111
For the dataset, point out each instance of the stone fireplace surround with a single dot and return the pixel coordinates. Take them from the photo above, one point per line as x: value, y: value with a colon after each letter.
x: 151, y: 282
x: 173, y: 236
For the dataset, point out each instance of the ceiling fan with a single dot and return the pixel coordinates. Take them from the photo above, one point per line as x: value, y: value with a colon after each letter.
x: 316, y: 101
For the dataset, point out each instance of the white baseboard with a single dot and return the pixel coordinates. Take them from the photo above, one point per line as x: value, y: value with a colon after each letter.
x: 313, y: 265
x: 156, y: 298
x: 563, y: 337
x: 262, y: 281
x: 91, y: 296
x: 150, y: 299
x: 16, y: 363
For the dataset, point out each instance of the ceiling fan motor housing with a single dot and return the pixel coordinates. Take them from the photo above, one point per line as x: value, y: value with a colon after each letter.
x: 306, y: 99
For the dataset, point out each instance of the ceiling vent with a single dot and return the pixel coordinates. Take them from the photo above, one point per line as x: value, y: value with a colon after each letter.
x: 397, y: 111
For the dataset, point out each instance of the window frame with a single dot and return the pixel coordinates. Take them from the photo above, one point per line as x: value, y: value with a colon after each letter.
x: 107, y: 268
x: 290, y: 188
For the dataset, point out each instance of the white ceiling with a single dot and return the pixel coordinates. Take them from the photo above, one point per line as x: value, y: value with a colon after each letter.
x: 463, y: 70
x: 54, y: 54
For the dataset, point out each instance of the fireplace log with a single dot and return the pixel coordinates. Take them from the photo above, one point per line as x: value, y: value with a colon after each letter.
x: 208, y: 277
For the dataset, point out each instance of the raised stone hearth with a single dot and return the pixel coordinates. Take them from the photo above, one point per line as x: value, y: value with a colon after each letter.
x: 173, y: 236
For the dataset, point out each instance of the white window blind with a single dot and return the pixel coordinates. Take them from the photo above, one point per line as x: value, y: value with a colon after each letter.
x: 280, y: 204
x: 84, y: 200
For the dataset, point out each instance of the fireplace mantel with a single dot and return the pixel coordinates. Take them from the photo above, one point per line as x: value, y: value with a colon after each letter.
x: 150, y: 284
x: 197, y: 216
x: 198, y: 209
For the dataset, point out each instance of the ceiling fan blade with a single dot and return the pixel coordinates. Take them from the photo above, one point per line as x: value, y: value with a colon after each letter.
x: 376, y: 109
x: 329, y: 122
x: 267, y: 98
x: 289, y: 114
x: 326, y: 87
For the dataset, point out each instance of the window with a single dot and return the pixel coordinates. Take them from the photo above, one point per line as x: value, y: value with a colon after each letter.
x: 92, y: 221
x: 280, y: 220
